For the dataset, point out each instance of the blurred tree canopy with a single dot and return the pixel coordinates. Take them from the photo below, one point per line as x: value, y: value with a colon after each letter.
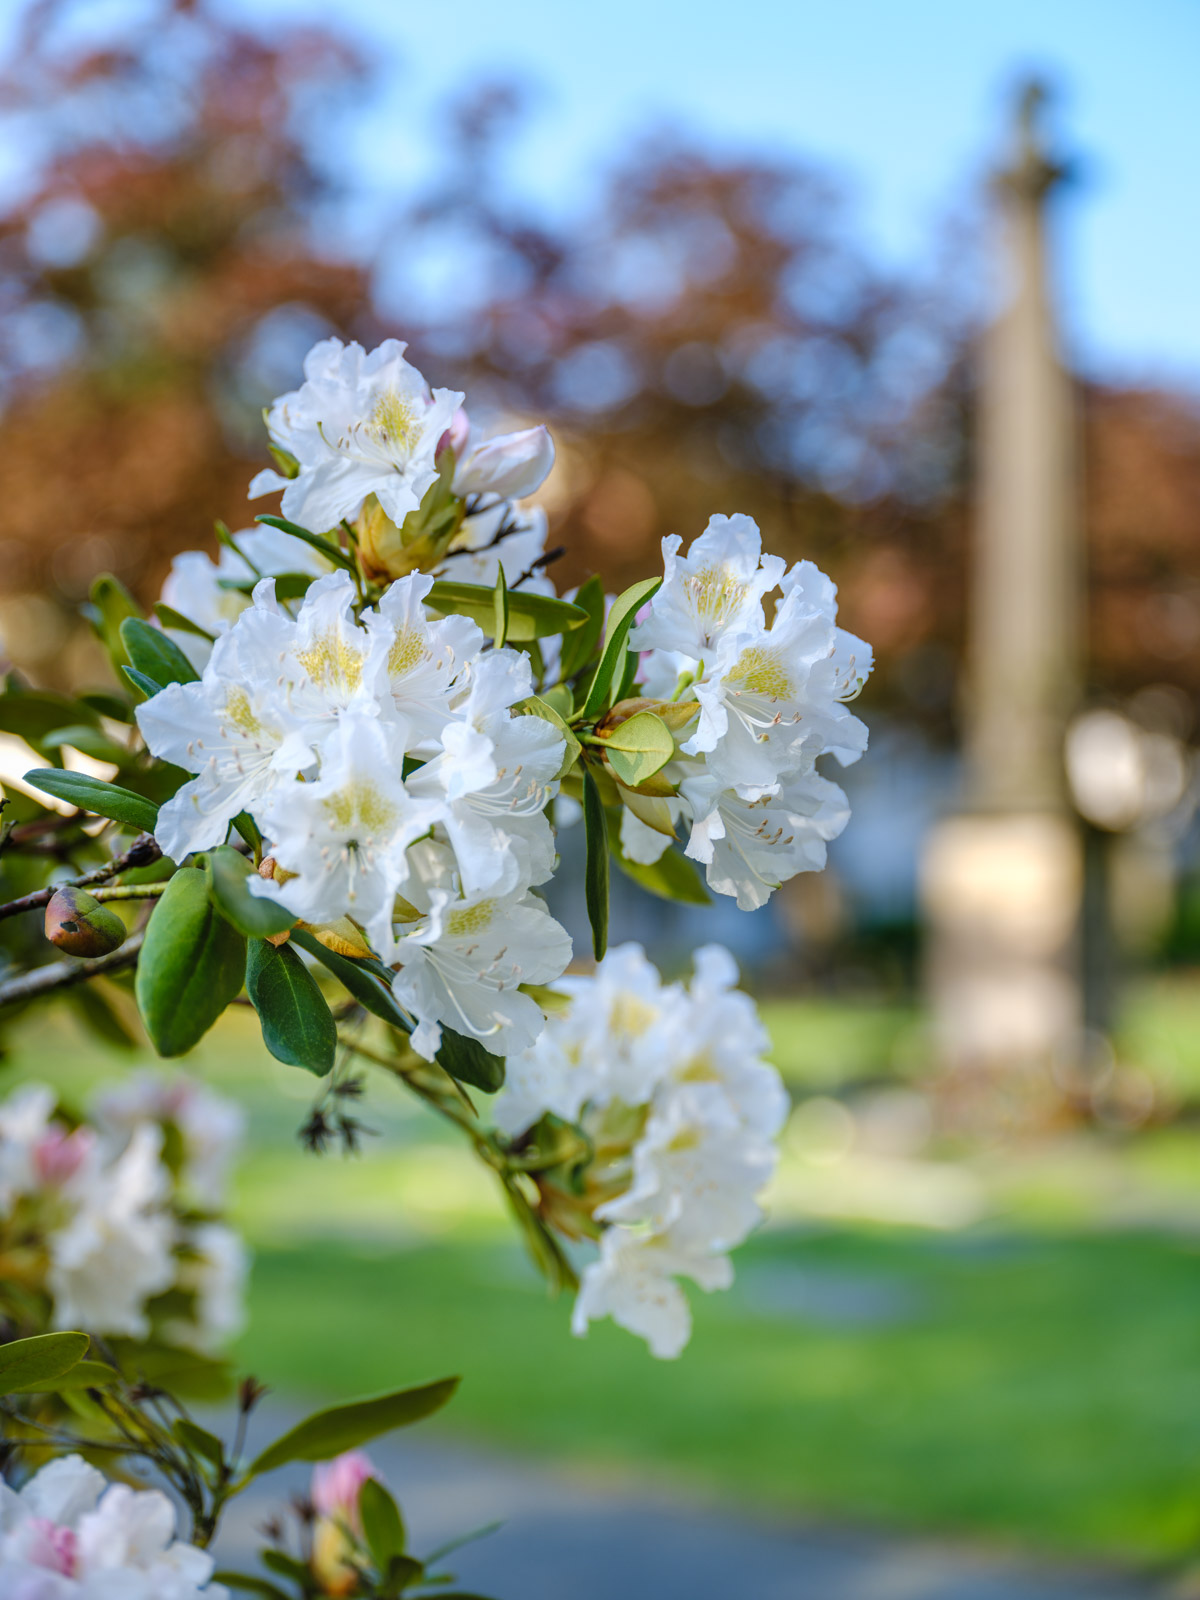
x: 709, y: 336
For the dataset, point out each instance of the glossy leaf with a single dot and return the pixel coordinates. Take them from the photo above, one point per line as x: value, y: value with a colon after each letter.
x: 297, y: 1024
x: 111, y: 604
x: 530, y: 616
x: 371, y: 990
x: 639, y: 747
x: 332, y: 552
x: 93, y: 794
x: 596, y: 871
x: 191, y: 967
x: 611, y: 670
x: 198, y: 1440
x: 145, y: 686
x: 155, y: 653
x: 469, y: 1061
x: 229, y: 885
x: 178, y: 623
x: 341, y: 1428
x: 26, y: 1363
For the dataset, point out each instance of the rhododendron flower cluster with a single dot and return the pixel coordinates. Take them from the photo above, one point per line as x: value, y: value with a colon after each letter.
x: 69, y: 1534
x: 670, y: 1086
x: 118, y: 1234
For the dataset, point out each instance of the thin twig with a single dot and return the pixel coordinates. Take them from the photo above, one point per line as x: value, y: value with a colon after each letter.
x: 141, y: 853
x: 43, y: 980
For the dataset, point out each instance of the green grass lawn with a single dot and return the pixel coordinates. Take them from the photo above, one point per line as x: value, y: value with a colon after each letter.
x: 1027, y: 1381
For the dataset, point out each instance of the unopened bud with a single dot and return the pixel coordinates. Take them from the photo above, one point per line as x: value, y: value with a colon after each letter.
x: 77, y: 923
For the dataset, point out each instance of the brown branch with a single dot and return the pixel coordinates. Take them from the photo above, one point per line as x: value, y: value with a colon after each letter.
x: 141, y: 853
x: 62, y: 974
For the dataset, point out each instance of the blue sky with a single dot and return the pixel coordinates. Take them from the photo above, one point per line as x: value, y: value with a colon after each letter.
x: 902, y: 98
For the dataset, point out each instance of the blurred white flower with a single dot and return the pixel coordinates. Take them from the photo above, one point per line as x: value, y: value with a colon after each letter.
x: 214, y: 1268
x: 68, y: 1534
x: 210, y: 1127
x: 634, y: 1282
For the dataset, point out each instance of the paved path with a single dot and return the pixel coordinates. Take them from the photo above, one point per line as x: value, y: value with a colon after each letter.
x: 566, y: 1539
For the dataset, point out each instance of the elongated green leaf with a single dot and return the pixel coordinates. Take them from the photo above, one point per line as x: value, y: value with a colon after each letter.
x: 155, y: 653
x: 612, y: 661
x: 370, y: 989
x: 28, y: 1362
x: 530, y: 616
x: 297, y: 1025
x: 595, y: 882
x: 178, y: 623
x: 91, y: 741
x: 332, y: 552
x: 32, y: 714
x: 500, y: 609
x: 145, y: 686
x: 382, y: 1524
x: 93, y: 794
x: 105, y: 703
x: 535, y: 706
x: 84, y: 1375
x: 288, y: 585
x: 111, y: 604
x: 191, y: 967
x: 198, y: 1440
x: 229, y: 886
x: 469, y: 1061
x: 579, y: 645
x: 329, y: 1433
x: 639, y: 747
x: 672, y: 877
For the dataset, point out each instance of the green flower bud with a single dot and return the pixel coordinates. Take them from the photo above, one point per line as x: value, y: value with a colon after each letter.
x: 77, y: 923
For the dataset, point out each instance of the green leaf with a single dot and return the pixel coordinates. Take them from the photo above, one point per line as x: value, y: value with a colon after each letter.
x: 155, y: 654
x: 26, y: 1363
x: 673, y: 876
x: 104, y: 703
x: 229, y: 885
x: 595, y: 880
x: 332, y: 552
x: 250, y: 1585
x: 469, y: 1061
x: 530, y: 616
x: 33, y: 713
x: 288, y: 1567
x: 382, y: 1524
x: 297, y: 1024
x: 112, y: 603
x: 500, y: 609
x: 370, y: 990
x: 535, y: 706
x: 579, y: 646
x: 87, y: 739
x: 285, y: 461
x: 638, y: 748
x: 288, y: 585
x: 92, y: 794
x: 198, y: 1440
x: 612, y: 662
x: 329, y: 1433
x: 84, y: 1375
x: 192, y: 965
x: 146, y: 686
x: 178, y: 623
x: 400, y: 1573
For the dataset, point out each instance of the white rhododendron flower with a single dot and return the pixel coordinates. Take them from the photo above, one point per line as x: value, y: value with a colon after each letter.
x: 713, y: 592
x: 510, y: 465
x: 360, y: 424
x: 678, y: 1074
x: 69, y: 1534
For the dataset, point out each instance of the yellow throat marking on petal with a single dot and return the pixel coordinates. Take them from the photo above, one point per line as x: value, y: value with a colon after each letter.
x: 395, y: 420
x: 632, y: 1015
x: 760, y: 670
x: 330, y: 660
x: 699, y: 1069
x: 406, y: 652
x: 470, y: 919
x: 716, y: 594
x: 359, y: 804
x: 685, y: 1139
x: 237, y: 709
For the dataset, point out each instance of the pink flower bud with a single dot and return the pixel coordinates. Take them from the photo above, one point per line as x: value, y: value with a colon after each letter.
x: 54, y: 1548
x: 456, y: 435
x: 58, y: 1155
x: 336, y: 1485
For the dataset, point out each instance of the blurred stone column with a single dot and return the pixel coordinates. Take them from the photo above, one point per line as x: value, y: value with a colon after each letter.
x: 1002, y: 881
